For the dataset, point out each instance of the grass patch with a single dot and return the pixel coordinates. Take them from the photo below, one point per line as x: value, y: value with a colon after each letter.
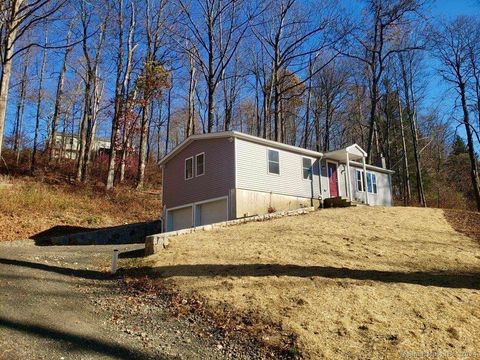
x: 365, y: 283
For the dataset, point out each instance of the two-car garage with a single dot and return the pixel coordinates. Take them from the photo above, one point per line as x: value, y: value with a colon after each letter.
x: 197, y: 214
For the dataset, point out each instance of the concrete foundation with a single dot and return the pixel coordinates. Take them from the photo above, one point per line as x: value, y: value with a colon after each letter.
x: 157, y: 242
x: 250, y: 203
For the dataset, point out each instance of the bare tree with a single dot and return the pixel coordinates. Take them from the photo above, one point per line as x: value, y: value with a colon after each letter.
x: 41, y: 73
x: 59, y: 93
x: 370, y: 42
x: 451, y: 44
x: 217, y: 28
x: 19, y: 18
x: 290, y: 34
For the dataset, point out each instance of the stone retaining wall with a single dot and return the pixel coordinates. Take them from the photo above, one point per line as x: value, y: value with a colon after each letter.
x: 122, y: 234
x: 157, y: 242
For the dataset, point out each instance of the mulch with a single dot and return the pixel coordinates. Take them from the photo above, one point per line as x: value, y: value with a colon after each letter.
x: 465, y: 222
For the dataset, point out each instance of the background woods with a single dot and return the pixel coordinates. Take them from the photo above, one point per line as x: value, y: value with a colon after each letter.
x: 101, y: 91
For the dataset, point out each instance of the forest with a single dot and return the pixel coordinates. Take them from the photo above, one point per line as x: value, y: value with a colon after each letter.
x: 99, y: 91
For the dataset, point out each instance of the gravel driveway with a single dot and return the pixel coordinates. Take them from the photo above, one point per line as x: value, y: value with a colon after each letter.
x: 57, y: 303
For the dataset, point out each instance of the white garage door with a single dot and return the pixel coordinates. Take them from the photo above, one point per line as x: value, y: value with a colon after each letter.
x: 212, y: 212
x: 179, y: 219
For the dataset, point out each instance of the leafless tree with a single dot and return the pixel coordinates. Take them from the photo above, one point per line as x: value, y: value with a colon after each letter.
x: 452, y: 42
x: 370, y: 42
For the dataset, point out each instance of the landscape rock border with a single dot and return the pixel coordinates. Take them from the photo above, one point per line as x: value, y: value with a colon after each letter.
x: 158, y: 242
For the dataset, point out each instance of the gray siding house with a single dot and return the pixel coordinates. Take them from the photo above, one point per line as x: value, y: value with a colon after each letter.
x: 227, y: 175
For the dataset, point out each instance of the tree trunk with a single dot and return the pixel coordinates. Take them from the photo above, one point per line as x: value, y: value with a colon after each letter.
x: 118, y: 101
x: 191, y: 98
x: 6, y: 68
x: 39, y: 103
x: 58, y: 99
x: 471, y: 148
x: 143, y: 148
x: 408, y: 89
x: 20, y: 111
x: 406, y: 179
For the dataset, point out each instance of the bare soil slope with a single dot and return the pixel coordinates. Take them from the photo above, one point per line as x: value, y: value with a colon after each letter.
x: 29, y: 207
x: 366, y: 283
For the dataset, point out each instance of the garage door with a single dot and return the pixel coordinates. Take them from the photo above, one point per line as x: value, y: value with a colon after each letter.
x: 212, y: 212
x: 179, y: 219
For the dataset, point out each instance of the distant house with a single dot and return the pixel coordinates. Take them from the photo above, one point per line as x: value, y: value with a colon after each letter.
x: 222, y: 176
x: 68, y: 146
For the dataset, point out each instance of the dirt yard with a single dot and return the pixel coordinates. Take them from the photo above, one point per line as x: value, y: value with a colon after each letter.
x: 366, y: 283
x: 28, y: 207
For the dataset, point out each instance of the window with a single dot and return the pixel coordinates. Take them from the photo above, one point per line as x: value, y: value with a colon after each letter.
x: 189, y: 168
x: 273, y: 162
x: 371, y: 183
x: 307, y: 168
x: 359, y: 177
x: 200, y: 164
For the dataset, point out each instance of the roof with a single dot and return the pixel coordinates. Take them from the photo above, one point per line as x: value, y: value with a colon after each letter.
x: 372, y: 167
x: 354, y: 152
x: 242, y: 136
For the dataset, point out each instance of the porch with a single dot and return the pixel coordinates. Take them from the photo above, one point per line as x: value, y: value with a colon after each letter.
x: 352, y: 153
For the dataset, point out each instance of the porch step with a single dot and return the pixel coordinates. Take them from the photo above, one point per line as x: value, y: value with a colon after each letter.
x: 338, y: 202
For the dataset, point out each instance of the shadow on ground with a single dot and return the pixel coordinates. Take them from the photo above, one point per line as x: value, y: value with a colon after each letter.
x: 439, y: 279
x: 80, y: 273
x: 77, y: 342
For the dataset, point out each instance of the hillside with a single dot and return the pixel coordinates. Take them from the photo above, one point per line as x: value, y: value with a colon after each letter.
x: 357, y: 282
x: 29, y: 207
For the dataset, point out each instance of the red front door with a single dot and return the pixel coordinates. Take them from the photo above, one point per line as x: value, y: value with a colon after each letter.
x: 332, y: 179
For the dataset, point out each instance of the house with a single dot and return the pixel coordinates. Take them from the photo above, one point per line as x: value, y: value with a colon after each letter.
x: 227, y: 175
x: 68, y: 146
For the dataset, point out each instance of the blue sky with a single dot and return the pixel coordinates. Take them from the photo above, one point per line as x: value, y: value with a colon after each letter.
x: 438, y: 95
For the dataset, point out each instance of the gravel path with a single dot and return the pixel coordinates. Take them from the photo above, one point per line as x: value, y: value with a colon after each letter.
x: 61, y: 303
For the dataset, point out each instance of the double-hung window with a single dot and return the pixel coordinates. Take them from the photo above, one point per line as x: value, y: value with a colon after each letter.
x: 195, y: 166
x: 189, y: 168
x: 200, y: 164
x: 371, y: 183
x: 359, y: 179
x: 273, y: 162
x: 307, y: 168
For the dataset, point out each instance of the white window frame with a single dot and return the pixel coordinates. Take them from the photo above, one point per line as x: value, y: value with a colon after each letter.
x: 196, y: 164
x: 373, y: 180
x: 362, y: 185
x: 268, y: 162
x: 185, y: 168
x: 310, y: 169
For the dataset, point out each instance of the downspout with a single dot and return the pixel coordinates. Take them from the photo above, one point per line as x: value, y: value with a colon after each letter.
x: 320, y: 196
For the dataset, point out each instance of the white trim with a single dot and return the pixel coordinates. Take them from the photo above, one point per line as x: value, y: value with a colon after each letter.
x: 328, y: 178
x: 167, y: 211
x: 359, y: 171
x: 364, y: 179
x: 349, y: 179
x: 185, y: 169
x: 268, y: 162
x: 206, y: 202
x: 204, y: 162
x: 211, y: 200
x: 311, y: 169
x: 235, y: 159
x: 193, y: 206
